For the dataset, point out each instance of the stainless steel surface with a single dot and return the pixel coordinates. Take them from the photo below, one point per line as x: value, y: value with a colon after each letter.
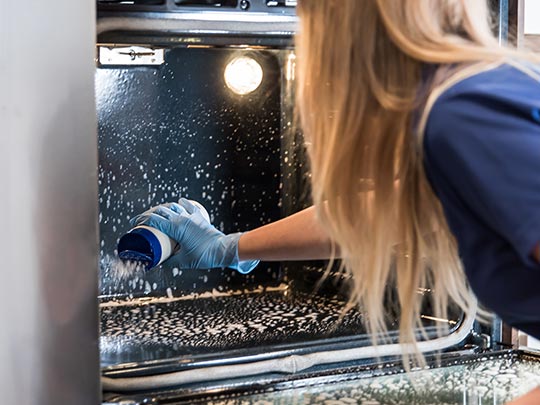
x: 229, y: 23
x: 528, y: 31
x: 48, y: 187
x: 502, y: 22
x: 521, y: 24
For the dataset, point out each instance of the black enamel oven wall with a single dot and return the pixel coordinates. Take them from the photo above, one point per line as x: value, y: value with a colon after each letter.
x: 176, y: 130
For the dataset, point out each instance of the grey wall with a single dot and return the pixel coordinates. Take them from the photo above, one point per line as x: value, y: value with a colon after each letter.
x: 48, y: 203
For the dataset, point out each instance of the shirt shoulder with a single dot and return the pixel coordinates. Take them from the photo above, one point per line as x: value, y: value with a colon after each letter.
x: 501, y: 95
x: 482, y: 139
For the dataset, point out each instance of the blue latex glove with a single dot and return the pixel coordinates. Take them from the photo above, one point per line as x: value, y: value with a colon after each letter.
x: 202, y: 246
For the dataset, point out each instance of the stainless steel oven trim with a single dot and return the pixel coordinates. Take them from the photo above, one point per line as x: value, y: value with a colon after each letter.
x: 202, y: 23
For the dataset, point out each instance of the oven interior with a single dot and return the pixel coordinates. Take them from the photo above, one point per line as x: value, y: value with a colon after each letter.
x: 176, y: 130
x: 170, y: 125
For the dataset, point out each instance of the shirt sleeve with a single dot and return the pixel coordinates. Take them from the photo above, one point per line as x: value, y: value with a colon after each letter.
x: 487, y: 147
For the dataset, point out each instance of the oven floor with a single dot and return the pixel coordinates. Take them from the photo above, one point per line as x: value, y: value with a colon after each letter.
x: 161, y: 329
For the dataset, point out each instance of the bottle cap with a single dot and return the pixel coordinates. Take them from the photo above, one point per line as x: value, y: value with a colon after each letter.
x: 140, y: 245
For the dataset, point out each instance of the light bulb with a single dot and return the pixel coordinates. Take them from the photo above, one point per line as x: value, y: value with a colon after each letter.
x: 243, y: 75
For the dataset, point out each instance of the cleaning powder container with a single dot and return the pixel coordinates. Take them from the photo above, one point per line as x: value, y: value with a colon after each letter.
x: 149, y: 246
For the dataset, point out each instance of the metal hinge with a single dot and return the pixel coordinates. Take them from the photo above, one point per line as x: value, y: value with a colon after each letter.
x: 130, y: 55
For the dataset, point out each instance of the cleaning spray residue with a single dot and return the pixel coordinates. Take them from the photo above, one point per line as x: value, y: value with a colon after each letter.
x: 120, y: 271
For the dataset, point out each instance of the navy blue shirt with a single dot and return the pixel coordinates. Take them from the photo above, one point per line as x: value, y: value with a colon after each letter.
x: 482, y: 157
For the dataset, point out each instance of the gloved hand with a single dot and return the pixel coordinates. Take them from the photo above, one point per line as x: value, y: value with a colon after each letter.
x: 202, y: 246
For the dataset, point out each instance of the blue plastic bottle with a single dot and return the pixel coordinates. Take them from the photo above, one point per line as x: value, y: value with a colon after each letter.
x: 149, y: 246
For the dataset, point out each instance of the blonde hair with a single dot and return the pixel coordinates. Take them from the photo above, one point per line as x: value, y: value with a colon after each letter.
x: 360, y: 67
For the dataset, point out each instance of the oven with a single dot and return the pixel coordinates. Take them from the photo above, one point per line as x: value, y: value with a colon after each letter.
x: 195, y: 99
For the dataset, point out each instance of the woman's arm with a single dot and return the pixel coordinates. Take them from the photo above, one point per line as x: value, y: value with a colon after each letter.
x: 297, y: 237
x: 202, y: 246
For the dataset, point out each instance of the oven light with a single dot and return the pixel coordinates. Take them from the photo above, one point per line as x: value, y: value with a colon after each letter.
x: 243, y: 75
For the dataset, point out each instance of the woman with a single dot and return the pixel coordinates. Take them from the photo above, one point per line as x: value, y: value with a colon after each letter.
x: 424, y: 141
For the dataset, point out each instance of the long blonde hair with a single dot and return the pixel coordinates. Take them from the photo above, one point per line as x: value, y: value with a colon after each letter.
x: 360, y: 67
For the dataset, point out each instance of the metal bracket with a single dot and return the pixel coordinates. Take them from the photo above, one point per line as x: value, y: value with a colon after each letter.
x: 481, y: 340
x: 130, y: 55
x: 286, y: 3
